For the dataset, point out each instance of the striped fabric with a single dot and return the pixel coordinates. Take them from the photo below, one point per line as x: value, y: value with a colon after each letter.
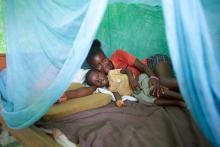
x: 152, y: 61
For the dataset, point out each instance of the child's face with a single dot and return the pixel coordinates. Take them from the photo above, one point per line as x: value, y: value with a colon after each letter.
x: 98, y: 79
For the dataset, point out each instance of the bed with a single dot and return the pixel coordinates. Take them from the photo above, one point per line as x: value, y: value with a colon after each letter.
x: 99, y: 123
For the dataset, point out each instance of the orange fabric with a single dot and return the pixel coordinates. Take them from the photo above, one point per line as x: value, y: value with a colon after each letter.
x: 2, y: 61
x: 122, y: 59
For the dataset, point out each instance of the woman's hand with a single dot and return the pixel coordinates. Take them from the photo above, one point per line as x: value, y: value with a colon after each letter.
x: 133, y: 83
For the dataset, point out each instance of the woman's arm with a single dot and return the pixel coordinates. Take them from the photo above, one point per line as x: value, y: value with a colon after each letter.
x: 132, y: 81
x: 84, y: 91
x: 143, y: 68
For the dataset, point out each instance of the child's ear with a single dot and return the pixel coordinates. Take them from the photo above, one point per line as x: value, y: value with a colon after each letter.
x: 96, y: 43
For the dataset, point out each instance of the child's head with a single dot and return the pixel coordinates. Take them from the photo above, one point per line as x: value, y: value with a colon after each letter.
x: 97, y: 59
x: 96, y: 78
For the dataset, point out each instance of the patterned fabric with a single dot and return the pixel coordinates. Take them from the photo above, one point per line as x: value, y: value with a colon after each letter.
x: 152, y: 61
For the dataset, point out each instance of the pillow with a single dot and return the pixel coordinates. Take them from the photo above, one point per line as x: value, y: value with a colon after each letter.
x: 76, y: 105
x: 75, y: 86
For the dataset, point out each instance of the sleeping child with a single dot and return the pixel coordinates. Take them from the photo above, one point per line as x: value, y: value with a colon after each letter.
x: 117, y: 82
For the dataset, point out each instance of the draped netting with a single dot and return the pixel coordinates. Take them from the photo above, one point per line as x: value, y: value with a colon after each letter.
x: 47, y: 41
x: 193, y: 34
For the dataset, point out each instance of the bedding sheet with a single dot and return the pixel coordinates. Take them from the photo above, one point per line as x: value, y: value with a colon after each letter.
x: 135, y: 125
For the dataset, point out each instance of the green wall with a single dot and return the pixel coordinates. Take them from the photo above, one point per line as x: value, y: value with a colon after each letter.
x: 2, y: 44
x: 137, y: 28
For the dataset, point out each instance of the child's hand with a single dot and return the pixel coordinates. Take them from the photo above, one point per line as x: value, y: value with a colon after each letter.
x: 154, y: 86
x: 162, y: 90
x: 120, y: 103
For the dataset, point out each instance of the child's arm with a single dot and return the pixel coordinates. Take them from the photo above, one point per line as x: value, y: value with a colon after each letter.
x: 154, y: 82
x: 84, y: 91
x: 118, y: 100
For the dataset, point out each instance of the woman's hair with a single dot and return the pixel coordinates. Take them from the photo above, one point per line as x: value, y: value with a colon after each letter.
x: 95, y: 49
x: 96, y: 43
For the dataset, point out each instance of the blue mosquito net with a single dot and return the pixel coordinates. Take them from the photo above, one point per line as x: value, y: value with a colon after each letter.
x: 193, y: 33
x: 47, y: 41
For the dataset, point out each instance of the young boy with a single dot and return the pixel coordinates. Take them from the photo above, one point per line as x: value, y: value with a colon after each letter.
x: 99, y: 79
x: 117, y: 82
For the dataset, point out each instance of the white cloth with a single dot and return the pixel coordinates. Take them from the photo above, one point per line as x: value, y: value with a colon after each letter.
x: 80, y: 76
x: 106, y: 91
x: 59, y: 137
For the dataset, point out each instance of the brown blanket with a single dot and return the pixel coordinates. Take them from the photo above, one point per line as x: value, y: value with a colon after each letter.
x: 136, y: 125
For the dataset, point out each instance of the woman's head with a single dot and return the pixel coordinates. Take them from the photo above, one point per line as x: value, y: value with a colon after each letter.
x: 97, y: 59
x: 96, y: 78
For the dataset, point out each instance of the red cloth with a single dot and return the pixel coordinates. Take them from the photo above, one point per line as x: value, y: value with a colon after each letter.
x: 122, y: 59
